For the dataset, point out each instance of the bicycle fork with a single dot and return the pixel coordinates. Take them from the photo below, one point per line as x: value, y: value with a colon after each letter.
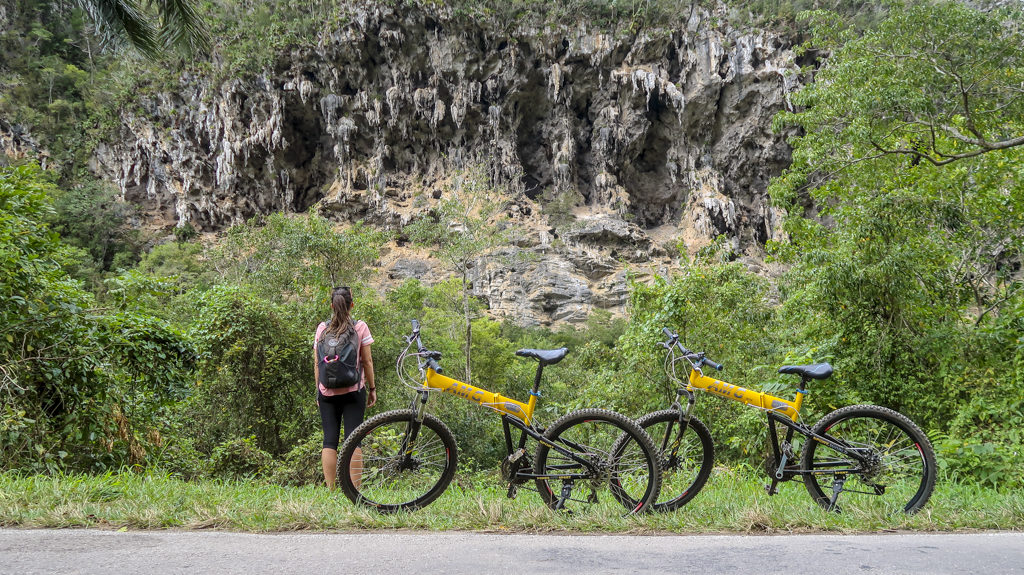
x: 691, y: 399
x: 670, y: 442
x: 419, y: 405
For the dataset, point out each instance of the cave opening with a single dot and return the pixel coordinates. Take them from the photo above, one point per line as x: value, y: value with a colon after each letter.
x: 647, y: 177
x: 300, y: 159
x: 531, y: 105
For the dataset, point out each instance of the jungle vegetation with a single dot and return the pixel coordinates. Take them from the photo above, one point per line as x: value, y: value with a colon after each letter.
x: 906, y: 230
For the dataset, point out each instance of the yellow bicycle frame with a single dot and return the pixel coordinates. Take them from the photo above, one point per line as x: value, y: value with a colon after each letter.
x: 757, y: 399
x: 484, y: 398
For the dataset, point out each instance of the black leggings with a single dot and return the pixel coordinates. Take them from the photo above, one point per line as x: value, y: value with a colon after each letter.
x: 348, y: 407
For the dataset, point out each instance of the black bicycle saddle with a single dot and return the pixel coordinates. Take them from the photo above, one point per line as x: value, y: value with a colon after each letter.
x: 812, y: 371
x: 545, y: 356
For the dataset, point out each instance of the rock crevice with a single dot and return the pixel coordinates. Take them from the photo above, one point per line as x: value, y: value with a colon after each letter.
x: 657, y: 139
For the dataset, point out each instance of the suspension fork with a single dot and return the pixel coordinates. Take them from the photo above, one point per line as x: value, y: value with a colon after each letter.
x: 419, y: 406
x: 691, y: 399
x: 684, y: 419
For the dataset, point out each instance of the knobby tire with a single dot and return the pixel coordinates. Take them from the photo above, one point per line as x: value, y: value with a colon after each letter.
x: 904, y: 470
x: 392, y: 480
x: 686, y: 462
x: 626, y: 470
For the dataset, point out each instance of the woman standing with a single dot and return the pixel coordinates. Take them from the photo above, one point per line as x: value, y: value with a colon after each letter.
x: 342, y: 395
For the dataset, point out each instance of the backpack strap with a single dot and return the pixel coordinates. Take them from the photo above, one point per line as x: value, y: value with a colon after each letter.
x: 358, y: 343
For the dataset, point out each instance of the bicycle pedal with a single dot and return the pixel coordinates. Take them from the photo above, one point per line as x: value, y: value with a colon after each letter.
x: 513, y: 489
x: 771, y: 488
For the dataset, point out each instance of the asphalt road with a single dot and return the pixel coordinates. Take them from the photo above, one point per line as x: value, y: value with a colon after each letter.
x: 25, y: 552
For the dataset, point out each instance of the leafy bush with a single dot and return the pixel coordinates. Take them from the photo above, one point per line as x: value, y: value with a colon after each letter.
x: 240, y: 459
x: 81, y: 387
x: 178, y: 457
x: 301, y: 465
x: 296, y: 258
x: 89, y: 216
x: 255, y: 371
x: 719, y: 308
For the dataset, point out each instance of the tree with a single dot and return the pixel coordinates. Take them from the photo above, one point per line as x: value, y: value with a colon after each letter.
x: 282, y: 256
x: 149, y: 26
x: 935, y: 82
x: 253, y: 360
x: 79, y: 386
x: 912, y: 148
x: 464, y: 228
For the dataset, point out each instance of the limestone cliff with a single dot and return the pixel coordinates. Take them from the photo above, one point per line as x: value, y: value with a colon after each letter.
x: 649, y: 141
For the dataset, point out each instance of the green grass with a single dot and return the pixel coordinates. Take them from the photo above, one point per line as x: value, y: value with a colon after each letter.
x: 732, y: 502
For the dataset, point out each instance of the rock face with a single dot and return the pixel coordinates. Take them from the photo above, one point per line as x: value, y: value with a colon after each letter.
x: 647, y: 142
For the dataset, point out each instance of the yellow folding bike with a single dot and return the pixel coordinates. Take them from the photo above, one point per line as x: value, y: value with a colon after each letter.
x: 873, y: 456
x: 407, y: 457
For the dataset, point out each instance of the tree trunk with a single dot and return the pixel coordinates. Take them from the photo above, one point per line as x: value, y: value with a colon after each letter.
x: 469, y: 325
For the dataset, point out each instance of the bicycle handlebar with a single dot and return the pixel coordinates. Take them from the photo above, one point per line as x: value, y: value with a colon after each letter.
x: 432, y: 356
x: 696, y: 358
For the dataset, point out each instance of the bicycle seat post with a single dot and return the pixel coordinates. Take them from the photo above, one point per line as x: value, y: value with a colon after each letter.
x: 536, y: 379
x: 543, y: 357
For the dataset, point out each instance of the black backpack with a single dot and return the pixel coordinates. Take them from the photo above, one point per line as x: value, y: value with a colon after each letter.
x: 338, y: 359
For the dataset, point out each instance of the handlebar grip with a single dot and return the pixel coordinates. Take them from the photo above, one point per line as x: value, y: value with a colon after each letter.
x: 668, y: 333
x: 717, y: 366
x: 415, y: 326
x: 434, y: 366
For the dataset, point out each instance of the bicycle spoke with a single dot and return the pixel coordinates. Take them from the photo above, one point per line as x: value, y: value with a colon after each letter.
x: 623, y: 470
x: 390, y: 478
x: 686, y: 456
x: 891, y: 471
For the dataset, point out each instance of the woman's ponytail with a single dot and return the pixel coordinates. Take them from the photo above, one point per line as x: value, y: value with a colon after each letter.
x: 341, y: 305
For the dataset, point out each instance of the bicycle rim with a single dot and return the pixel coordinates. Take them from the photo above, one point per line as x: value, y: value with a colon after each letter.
x: 623, y: 472
x: 899, y: 476
x: 686, y: 458
x: 397, y: 475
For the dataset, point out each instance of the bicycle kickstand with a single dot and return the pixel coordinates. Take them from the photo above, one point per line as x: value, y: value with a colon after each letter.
x: 566, y: 493
x: 837, y: 488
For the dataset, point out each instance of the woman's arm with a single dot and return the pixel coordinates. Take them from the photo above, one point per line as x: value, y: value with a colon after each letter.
x: 316, y: 375
x: 316, y: 356
x: 371, y: 385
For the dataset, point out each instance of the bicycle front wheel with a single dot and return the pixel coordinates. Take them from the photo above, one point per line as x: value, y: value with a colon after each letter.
x: 898, y: 471
x: 687, y: 456
x: 583, y: 459
x: 394, y: 463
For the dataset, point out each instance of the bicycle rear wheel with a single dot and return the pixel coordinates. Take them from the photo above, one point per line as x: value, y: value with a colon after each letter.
x: 687, y: 456
x: 899, y: 474
x: 405, y: 464
x: 628, y: 471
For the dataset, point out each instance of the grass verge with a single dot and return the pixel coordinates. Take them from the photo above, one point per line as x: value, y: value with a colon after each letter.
x: 732, y: 502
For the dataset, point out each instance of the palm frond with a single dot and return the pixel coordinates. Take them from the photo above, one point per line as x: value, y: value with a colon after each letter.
x: 181, y: 26
x: 122, y: 21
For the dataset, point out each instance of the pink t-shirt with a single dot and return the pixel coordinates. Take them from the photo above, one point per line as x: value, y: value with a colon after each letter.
x: 363, y: 333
